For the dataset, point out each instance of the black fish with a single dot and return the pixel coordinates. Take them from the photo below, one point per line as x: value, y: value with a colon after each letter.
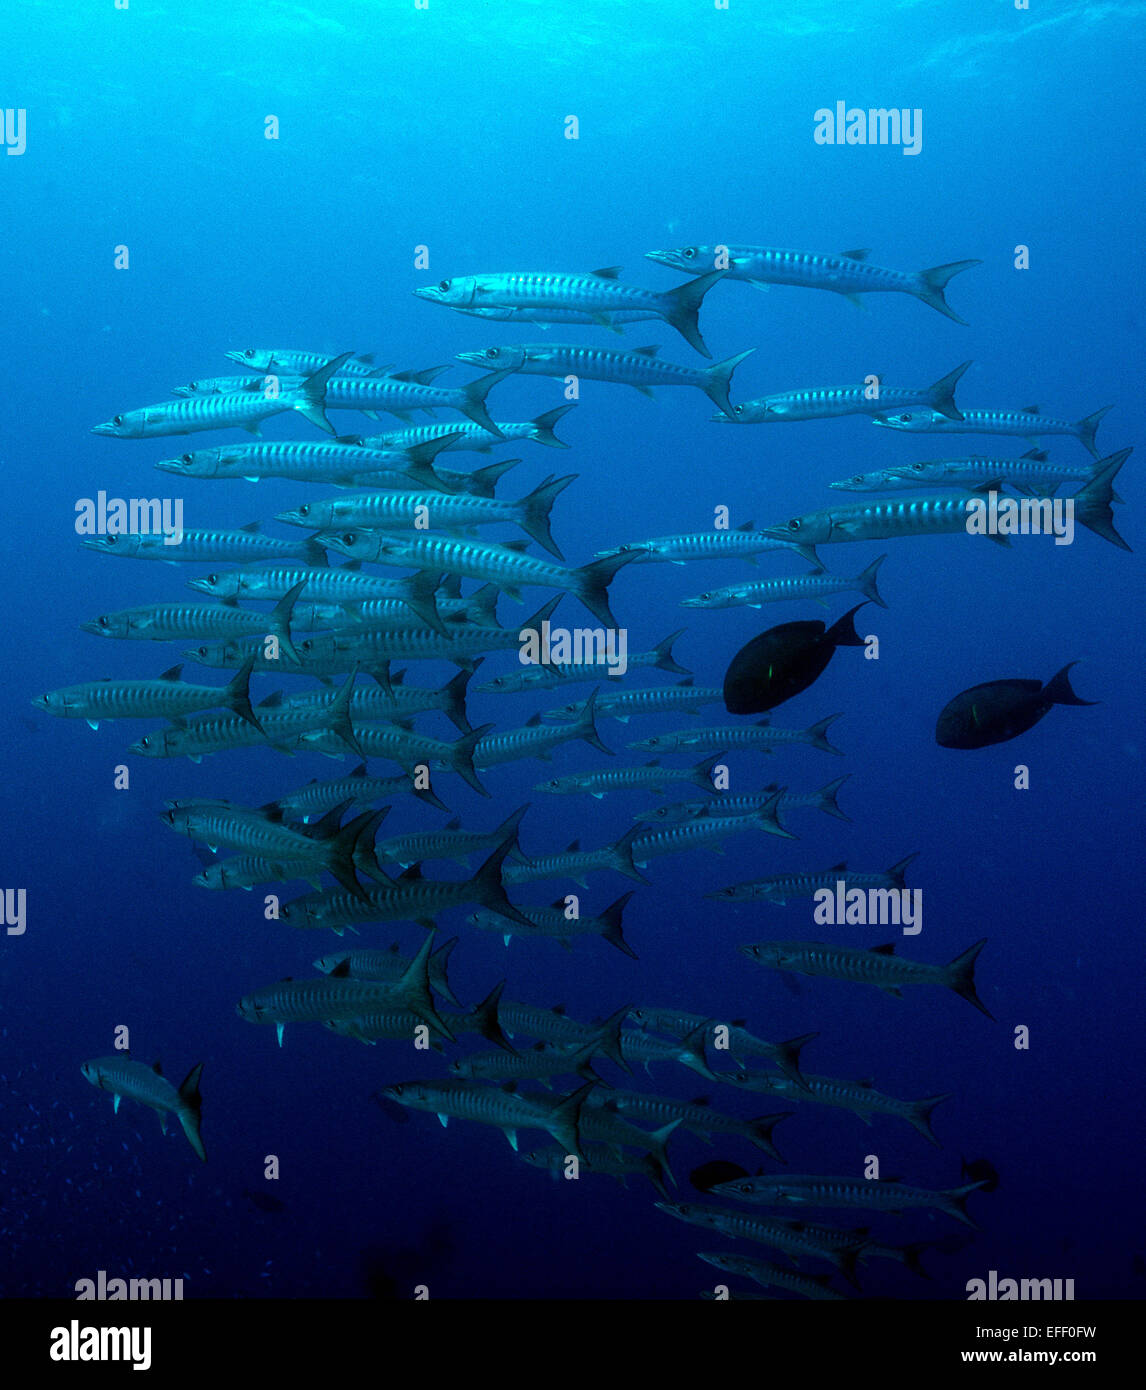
x: 783, y: 661
x: 706, y: 1177
x: 1000, y: 710
x: 981, y: 1170
x: 264, y: 1201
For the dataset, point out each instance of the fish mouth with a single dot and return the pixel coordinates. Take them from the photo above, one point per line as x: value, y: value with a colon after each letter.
x: 92, y: 626
x: 471, y: 359
x: 137, y: 749
x: 106, y: 428
x: 235, y: 356
x: 430, y: 292
x: 172, y: 466
x: 201, y: 586
x: 777, y: 533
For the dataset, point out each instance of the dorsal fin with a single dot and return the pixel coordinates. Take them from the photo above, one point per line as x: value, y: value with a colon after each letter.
x: 156, y: 1067
x: 745, y: 526
x: 842, y: 865
x: 252, y: 526
x: 860, y: 255
x: 648, y: 351
x: 517, y: 545
x: 573, y: 847
x: 533, y: 721
x: 342, y: 970
x: 1029, y: 410
x: 1039, y: 455
x: 172, y: 673
x: 412, y: 874
x: 608, y: 272
x: 455, y: 824
x: 888, y: 949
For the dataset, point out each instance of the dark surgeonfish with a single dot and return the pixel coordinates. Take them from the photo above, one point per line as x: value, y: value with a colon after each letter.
x: 1000, y: 710
x: 783, y: 661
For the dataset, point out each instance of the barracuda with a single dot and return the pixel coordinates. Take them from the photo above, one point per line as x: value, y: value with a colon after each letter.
x: 555, y: 1025
x: 614, y: 321
x: 640, y: 368
x: 553, y: 922
x: 781, y: 888
x: 468, y: 437
x: 503, y: 565
x: 827, y: 402
x: 606, y: 1126
x: 1027, y: 423
x: 403, y: 392
x: 696, y: 1116
x: 597, y: 294
x: 860, y: 1097
x: 440, y: 511
x: 880, y: 967
x: 168, y: 622
x: 357, y: 789
x: 817, y: 1286
x: 246, y: 409
x: 470, y: 1100
x: 575, y: 862
x: 399, y: 703
x: 536, y: 740
x: 452, y: 842
x: 166, y: 698
x: 410, y: 750
x: 742, y: 543
x: 847, y: 273
x: 481, y: 1019
x: 651, y: 777
x: 786, y: 1055
x: 410, y: 898
x: 792, y: 1237
x: 724, y: 805
x: 315, y: 461
x: 1030, y: 475
x: 760, y: 736
x: 240, y: 547
x: 707, y: 832
x: 284, y: 360
x: 814, y: 1190
x: 600, y: 1158
x: 148, y: 1086
x: 683, y: 698
x: 245, y: 871
x: 388, y: 967
x: 540, y: 1063
x: 815, y: 586
x: 546, y: 677
x: 338, y: 996
x: 478, y: 482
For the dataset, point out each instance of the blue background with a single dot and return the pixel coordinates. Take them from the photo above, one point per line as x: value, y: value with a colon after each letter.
x: 445, y: 128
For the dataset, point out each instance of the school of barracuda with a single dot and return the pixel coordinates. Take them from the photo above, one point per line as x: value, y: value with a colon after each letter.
x: 339, y: 620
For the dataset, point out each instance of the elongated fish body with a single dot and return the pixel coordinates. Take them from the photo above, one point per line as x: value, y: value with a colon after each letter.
x: 622, y: 705
x: 934, y: 514
x: 699, y: 1119
x: 147, y: 1085
x: 826, y: 402
x: 537, y: 740
x: 761, y: 736
x: 600, y: 1158
x: 860, y: 1097
x: 782, y: 888
x: 165, y: 698
x: 1031, y: 474
x: 395, y: 1024
x: 199, y: 738
x: 570, y: 673
x: 615, y: 321
x: 705, y: 832
x: 463, y: 436
x: 170, y: 622
x: 402, y: 746
x: 315, y: 999
x: 575, y: 862
x: 271, y: 582
x: 305, y: 461
x: 390, y: 613
x: 538, y: 1064
x: 791, y: 1237
x: 599, y: 293
x: 471, y: 1100
x: 400, y: 394
x: 550, y: 1025
x: 247, y: 831
x: 880, y: 967
x: 638, y: 367
x: 358, y: 789
x: 399, y: 702
x: 1027, y: 423
x: 552, y: 922
x: 241, y: 547
x: 725, y: 805
x: 435, y: 510
x: 848, y: 273
x: 502, y: 565
x: 247, y: 870
x: 388, y: 967
x: 814, y: 1190
x: 651, y: 777
x: 285, y: 361
x: 816, y: 586
x: 679, y: 1024
x: 452, y: 842
x: 742, y: 543
x: 774, y: 1276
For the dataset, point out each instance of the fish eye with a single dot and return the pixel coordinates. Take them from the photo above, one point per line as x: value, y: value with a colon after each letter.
x: 794, y: 525
x: 110, y: 540
x: 917, y: 468
x: 201, y: 651
x: 117, y: 420
x: 103, y: 622
x: 907, y: 418
x: 185, y: 458
x: 493, y: 352
x: 304, y: 510
x: 145, y: 742
x: 738, y: 410
x: 349, y: 538
x: 857, y: 477
x: 443, y: 285
x: 250, y: 352
x: 689, y: 252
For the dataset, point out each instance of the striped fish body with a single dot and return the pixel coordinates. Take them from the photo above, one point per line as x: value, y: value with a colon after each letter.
x: 656, y: 699
x: 236, y: 547
x: 314, y: 1000
x: 169, y: 622
x: 739, y: 544
x: 937, y: 514
x: 199, y: 738
x: 704, y: 832
x: 637, y: 367
x: 775, y: 1276
x: 246, y: 870
x: 309, y: 461
x: 272, y: 582
x: 781, y: 888
x: 317, y: 798
x: 827, y: 402
x: 1028, y: 423
x: 249, y: 832
x: 288, y: 362
x: 114, y: 699
x: 191, y: 414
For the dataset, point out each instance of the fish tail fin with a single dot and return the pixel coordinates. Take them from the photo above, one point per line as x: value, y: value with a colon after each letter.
x: 310, y: 396
x: 238, y: 693
x: 591, y: 585
x: 681, y: 306
x: 564, y: 1122
x: 1058, y: 688
x: 702, y: 772
x: 961, y: 977
x: 586, y: 729
x: 759, y: 1131
x: 786, y: 1055
x: 509, y: 827
x: 897, y: 871
x: 817, y: 735
x: 315, y: 552
x: 956, y: 1203
x: 842, y: 632
x: 657, y: 1141
x: 665, y: 660
x: 533, y: 512
x: 418, y: 594
x: 543, y: 426
x: 826, y: 798
x: 845, y: 1262
x: 941, y: 394
x: 414, y: 989
x: 488, y: 888
x: 655, y: 1174
x: 930, y: 284
x: 475, y: 392
x: 1092, y: 503
x: 607, y: 1040
x: 611, y: 928
x: 439, y: 971
x: 865, y: 582
x: 462, y: 757
x: 482, y: 482
x: 718, y: 378
x: 911, y: 1257
x: 621, y: 854
x: 191, y: 1109
x: 279, y: 620
x: 454, y: 701
x: 338, y: 720
x: 1087, y: 427
x: 485, y: 1019
x: 920, y: 1116
x: 767, y: 817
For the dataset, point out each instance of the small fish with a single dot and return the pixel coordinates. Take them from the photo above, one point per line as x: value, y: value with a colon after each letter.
x: 147, y: 1085
x: 1028, y: 423
x: 816, y: 586
x: 827, y: 402
x: 783, y: 661
x: 1000, y: 710
x: 814, y: 1190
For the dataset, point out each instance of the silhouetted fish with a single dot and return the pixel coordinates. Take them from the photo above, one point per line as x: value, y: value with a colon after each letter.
x: 1000, y: 710
x: 979, y: 1169
x: 783, y: 661
x: 705, y: 1178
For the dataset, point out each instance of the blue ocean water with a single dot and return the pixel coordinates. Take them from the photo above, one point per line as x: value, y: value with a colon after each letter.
x: 444, y: 128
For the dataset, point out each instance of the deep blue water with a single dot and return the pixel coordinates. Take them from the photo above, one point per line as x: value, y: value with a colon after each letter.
x: 444, y: 128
